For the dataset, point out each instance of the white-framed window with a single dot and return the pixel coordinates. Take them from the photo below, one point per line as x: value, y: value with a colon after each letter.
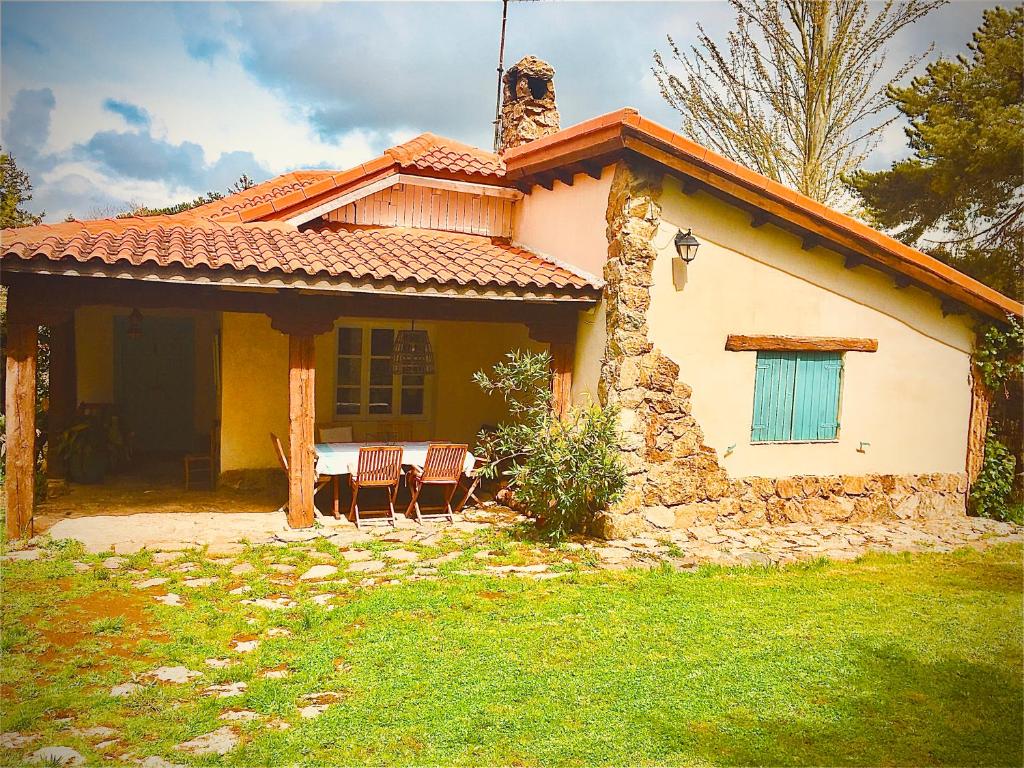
x: 364, y: 382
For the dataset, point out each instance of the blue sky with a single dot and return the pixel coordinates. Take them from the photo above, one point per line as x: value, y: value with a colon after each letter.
x: 152, y: 103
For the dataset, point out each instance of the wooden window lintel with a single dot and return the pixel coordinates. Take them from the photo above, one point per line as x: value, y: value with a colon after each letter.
x: 739, y: 343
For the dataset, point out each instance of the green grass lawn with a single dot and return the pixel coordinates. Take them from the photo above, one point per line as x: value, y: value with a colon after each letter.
x: 890, y: 660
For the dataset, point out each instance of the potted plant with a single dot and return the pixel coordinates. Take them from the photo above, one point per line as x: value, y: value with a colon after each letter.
x: 91, y: 446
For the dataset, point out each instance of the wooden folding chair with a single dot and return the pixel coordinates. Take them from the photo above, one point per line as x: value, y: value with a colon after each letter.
x: 321, y: 481
x: 205, y: 463
x: 443, y: 468
x: 474, y: 483
x: 380, y: 466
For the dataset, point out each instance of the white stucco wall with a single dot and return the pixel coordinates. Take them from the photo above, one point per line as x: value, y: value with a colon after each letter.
x: 567, y: 223
x: 910, y: 400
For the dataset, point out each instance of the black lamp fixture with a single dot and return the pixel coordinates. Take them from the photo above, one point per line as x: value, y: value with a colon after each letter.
x: 686, y: 245
x: 135, y: 324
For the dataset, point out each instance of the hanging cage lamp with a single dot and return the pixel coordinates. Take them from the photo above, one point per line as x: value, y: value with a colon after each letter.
x: 135, y: 324
x: 412, y: 353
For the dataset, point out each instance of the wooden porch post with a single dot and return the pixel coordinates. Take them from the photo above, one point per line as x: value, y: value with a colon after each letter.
x: 63, y: 391
x: 562, y: 354
x: 301, y: 415
x: 22, y: 337
x: 561, y: 338
x: 301, y: 320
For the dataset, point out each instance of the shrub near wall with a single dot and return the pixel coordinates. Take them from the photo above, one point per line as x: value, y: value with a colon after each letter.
x: 561, y: 472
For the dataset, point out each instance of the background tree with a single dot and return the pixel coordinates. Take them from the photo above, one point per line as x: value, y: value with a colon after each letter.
x: 134, y: 208
x: 960, y: 196
x: 15, y: 191
x: 797, y: 93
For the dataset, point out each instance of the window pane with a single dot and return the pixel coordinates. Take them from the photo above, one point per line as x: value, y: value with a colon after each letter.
x: 348, y: 400
x: 382, y: 342
x: 380, y: 371
x: 381, y: 399
x: 350, y: 341
x: 412, y: 402
x: 348, y: 371
x: 412, y: 380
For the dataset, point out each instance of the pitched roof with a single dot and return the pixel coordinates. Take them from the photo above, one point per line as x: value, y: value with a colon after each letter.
x: 625, y: 129
x: 428, y: 152
x: 407, y: 256
x: 290, y: 193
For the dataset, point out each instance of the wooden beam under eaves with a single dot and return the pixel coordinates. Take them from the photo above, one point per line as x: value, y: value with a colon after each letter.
x: 689, y: 185
x: 810, y: 241
x: 546, y: 180
x: 901, y: 281
x: 566, y: 177
x: 592, y: 169
x: 953, y: 307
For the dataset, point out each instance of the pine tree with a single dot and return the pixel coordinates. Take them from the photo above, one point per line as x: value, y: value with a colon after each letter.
x: 960, y: 195
x: 15, y: 191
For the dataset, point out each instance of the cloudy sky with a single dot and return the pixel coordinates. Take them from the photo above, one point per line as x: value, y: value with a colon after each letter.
x: 153, y: 103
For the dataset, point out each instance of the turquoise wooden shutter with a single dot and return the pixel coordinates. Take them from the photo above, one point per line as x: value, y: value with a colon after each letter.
x: 773, y: 396
x: 816, y: 409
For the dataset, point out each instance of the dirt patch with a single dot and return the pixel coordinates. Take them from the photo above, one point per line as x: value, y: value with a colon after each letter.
x: 488, y: 595
x: 74, y: 622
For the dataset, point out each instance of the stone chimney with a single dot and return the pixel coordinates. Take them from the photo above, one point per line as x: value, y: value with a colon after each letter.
x: 528, y: 109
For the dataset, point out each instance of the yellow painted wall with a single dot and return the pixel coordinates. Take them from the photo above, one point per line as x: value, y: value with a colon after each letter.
x: 94, y: 354
x: 255, y: 385
x: 254, y: 399
x: 461, y: 407
x: 910, y: 400
x: 94, y: 358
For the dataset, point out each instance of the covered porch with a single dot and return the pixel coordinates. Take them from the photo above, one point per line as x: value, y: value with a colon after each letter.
x: 226, y: 366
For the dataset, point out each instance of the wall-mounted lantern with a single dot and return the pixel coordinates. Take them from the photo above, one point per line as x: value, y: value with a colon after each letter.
x: 686, y: 245
x: 135, y: 324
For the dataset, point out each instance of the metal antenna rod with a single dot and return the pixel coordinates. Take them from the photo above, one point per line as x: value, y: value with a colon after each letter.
x: 501, y: 71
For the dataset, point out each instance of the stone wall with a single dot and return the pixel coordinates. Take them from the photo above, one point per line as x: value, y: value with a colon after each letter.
x: 675, y: 480
x: 528, y: 108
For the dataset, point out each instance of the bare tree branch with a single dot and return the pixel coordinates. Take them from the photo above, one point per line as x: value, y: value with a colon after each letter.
x: 796, y: 89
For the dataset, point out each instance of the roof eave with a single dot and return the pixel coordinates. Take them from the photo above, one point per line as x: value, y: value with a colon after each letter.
x: 622, y: 132
x: 320, y: 282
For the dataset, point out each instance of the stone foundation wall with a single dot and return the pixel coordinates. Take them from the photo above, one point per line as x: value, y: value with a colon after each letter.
x: 675, y: 480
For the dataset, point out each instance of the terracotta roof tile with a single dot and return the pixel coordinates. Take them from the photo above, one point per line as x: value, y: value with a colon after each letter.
x: 428, y: 152
x: 392, y: 254
x: 261, y: 194
x: 423, y: 155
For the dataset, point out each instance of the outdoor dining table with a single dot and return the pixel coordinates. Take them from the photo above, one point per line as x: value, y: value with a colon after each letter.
x: 336, y: 459
x: 343, y: 458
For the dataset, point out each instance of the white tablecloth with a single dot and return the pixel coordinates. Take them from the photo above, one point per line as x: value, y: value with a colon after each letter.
x: 343, y: 458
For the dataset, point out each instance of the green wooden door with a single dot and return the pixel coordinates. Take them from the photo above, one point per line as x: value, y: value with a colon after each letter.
x: 155, y: 382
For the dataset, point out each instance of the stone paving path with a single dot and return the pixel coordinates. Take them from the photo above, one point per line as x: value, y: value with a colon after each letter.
x: 684, y: 548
